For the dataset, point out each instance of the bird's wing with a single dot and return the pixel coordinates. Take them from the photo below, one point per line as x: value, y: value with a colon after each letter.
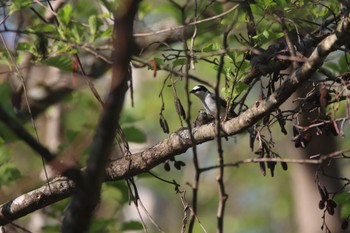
x: 223, y: 103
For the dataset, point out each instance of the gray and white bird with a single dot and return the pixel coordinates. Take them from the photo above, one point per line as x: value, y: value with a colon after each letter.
x: 208, y: 100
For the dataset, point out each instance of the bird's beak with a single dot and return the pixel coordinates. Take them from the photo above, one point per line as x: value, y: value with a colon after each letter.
x: 192, y: 91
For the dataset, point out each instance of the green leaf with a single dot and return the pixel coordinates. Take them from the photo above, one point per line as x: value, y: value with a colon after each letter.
x: 76, y: 34
x: 62, y: 62
x: 131, y: 225
x: 64, y: 14
x: 51, y: 228
x: 211, y: 48
x: 179, y: 62
x: 93, y: 27
x: 18, y: 4
x: 108, y: 4
x: 4, y: 155
x: 43, y: 28
x: 4, y: 59
x: 144, y: 9
x: 71, y: 134
x: 8, y: 173
x: 159, y: 61
x: 343, y: 200
x: 237, y: 90
x: 134, y: 134
x: 24, y: 46
x: 100, y: 225
x: 266, y: 33
x: 107, y: 33
x: 168, y: 10
x: 122, y: 188
x: 127, y: 118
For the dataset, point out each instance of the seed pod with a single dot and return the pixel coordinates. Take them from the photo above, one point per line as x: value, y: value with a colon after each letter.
x: 305, y: 139
x: 166, y: 127
x: 323, y: 195
x: 179, y: 108
x: 266, y: 119
x: 321, y: 205
x: 164, y: 124
x: 344, y: 224
x: 284, y: 166
x: 161, y: 123
x: 166, y: 166
x: 251, y: 140
x: 181, y: 163
x: 297, y: 142
x: 331, y: 203
x: 281, y: 122
x: 262, y: 168
x: 326, y: 192
x: 271, y: 166
x: 295, y: 131
x: 177, y: 165
x: 330, y: 210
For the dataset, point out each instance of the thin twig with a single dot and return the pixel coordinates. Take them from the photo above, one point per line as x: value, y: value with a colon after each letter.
x: 190, y: 24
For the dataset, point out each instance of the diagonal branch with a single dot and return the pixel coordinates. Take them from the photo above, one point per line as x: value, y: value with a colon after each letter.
x: 179, y: 141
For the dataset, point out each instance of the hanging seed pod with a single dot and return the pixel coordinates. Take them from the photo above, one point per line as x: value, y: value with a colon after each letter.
x: 181, y: 163
x: 323, y: 195
x: 266, y: 119
x: 281, y: 122
x: 284, y: 166
x: 331, y: 203
x: 261, y: 153
x: 330, y: 210
x: 326, y: 192
x: 271, y: 166
x: 344, y: 224
x: 321, y: 205
x: 164, y: 124
x: 251, y: 141
x: 166, y: 166
x: 262, y: 168
x: 179, y: 108
x: 305, y: 139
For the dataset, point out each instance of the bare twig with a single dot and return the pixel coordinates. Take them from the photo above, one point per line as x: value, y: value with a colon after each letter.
x: 190, y: 24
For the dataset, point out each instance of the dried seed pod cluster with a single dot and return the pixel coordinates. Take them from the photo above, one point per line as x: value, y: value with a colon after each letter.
x: 177, y: 164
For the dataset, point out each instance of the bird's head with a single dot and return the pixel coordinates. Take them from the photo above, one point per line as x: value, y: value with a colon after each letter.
x: 199, y: 91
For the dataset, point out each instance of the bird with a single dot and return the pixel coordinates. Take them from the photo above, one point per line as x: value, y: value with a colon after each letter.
x: 208, y: 100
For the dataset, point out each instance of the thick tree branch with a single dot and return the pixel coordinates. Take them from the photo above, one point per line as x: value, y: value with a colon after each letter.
x: 178, y: 142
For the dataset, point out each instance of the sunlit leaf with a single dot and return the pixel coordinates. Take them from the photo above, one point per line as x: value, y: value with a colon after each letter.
x: 18, y: 4
x: 343, y: 200
x: 93, y: 27
x: 62, y: 62
x: 24, y: 46
x: 64, y: 14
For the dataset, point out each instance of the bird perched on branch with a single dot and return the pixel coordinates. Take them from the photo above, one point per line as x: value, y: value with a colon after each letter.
x: 208, y: 100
